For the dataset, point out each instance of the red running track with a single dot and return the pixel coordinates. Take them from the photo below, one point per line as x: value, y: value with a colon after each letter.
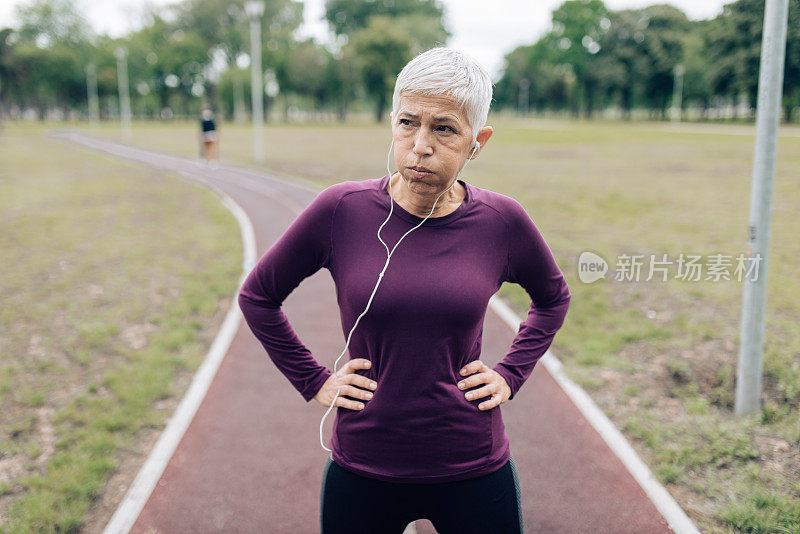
x: 251, y: 460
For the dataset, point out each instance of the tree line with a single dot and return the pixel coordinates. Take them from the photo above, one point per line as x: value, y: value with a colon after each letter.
x: 196, y: 52
x: 595, y: 59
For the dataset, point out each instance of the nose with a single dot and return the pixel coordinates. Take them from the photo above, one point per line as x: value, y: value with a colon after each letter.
x: 422, y: 142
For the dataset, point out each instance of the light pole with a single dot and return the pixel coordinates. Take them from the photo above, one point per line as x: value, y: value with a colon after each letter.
x: 524, y: 87
x: 124, y: 94
x: 238, y: 99
x: 770, y: 85
x: 91, y: 90
x: 255, y: 10
x: 677, y: 94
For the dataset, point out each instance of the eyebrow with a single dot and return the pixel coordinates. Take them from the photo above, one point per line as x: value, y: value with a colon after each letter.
x: 444, y: 118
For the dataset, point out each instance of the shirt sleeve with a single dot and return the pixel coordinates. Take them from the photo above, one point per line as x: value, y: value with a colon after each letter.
x: 301, y: 251
x: 532, y: 266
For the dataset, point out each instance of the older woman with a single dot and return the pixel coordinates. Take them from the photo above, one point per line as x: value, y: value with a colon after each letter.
x: 415, y: 257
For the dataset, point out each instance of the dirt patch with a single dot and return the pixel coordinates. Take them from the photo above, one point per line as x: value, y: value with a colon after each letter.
x: 778, y: 456
x: 45, y: 435
x: 136, y: 335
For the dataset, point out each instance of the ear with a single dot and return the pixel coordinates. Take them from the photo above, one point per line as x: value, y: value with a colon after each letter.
x: 483, y: 138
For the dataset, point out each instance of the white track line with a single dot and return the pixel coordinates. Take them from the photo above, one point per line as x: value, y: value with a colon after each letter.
x: 144, y: 483
x: 663, y: 501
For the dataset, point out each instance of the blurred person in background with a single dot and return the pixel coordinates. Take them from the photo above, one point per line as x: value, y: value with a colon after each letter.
x: 208, y: 138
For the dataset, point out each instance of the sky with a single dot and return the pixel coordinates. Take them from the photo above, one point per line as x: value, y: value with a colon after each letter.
x: 487, y: 30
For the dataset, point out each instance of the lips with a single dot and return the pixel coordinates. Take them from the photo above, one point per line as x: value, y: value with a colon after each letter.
x: 419, y: 172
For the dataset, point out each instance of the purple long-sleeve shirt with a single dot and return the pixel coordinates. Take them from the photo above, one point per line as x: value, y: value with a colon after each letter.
x: 424, y: 324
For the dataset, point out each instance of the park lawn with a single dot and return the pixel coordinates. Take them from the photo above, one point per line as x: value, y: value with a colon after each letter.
x: 108, y: 307
x: 659, y: 357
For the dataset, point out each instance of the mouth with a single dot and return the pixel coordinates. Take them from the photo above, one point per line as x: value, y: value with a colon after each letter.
x: 419, y: 171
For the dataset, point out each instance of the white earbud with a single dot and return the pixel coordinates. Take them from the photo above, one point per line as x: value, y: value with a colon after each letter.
x: 477, y: 146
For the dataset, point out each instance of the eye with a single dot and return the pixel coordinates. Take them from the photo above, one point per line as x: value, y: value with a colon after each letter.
x: 404, y: 122
x: 445, y: 128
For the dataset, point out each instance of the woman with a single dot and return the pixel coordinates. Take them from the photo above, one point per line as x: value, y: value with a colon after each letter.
x: 208, y: 138
x: 418, y: 433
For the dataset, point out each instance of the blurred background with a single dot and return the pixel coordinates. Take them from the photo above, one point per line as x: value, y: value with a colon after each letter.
x: 624, y: 127
x: 614, y: 59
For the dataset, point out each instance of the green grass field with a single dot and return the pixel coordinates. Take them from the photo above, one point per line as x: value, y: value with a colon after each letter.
x: 108, y: 307
x: 658, y: 357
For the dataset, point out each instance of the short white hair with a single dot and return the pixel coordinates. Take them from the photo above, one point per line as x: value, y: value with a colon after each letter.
x: 443, y: 70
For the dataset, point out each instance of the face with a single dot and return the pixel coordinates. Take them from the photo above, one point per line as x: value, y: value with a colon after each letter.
x: 432, y: 140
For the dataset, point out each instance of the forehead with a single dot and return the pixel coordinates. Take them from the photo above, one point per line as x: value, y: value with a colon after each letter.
x: 433, y: 106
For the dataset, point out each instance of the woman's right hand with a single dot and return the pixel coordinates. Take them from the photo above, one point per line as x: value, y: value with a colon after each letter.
x: 348, y: 380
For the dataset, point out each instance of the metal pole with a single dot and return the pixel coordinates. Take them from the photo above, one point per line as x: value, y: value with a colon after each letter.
x: 238, y: 99
x: 124, y: 93
x: 91, y: 91
x: 256, y: 10
x: 677, y: 94
x: 770, y: 82
x: 524, y: 86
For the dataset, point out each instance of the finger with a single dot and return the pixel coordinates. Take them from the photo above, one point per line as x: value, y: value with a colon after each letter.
x: 480, y: 392
x: 491, y: 403
x: 344, y: 402
x: 471, y: 367
x: 357, y: 379
x: 362, y: 381
x: 359, y: 363
x: 474, y: 380
x: 356, y: 393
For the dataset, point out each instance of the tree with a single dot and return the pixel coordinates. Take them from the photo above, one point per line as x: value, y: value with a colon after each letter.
x: 696, y: 80
x: 382, y: 50
x: 50, y: 22
x: 638, y: 55
x: 516, y: 68
x: 349, y: 16
x: 50, y: 48
x: 621, y: 66
x: 223, y: 25
x: 734, y: 52
x: 532, y: 71
x: 663, y: 46
x: 48, y: 77
x: 343, y: 80
x: 578, y: 26
x: 733, y: 45
x: 231, y: 80
x: 594, y: 57
x: 170, y: 60
x: 9, y: 71
x: 307, y: 72
x: 381, y: 36
x: 791, y: 72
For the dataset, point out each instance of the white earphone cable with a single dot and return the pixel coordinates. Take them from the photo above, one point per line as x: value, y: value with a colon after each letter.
x: 385, y: 266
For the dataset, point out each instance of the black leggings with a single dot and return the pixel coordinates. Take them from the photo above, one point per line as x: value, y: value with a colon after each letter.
x: 351, y: 503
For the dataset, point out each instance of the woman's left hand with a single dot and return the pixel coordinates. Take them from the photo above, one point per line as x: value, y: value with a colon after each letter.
x: 496, y: 385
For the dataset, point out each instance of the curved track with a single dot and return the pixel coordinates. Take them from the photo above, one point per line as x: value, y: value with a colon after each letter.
x: 250, y: 460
